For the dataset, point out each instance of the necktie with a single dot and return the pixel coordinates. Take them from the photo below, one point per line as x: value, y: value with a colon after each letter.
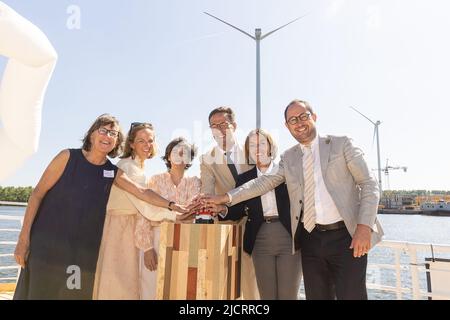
x: 309, y: 211
x: 231, y: 166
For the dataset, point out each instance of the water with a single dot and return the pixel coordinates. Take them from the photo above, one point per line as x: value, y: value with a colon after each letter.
x: 408, y: 228
x: 416, y: 228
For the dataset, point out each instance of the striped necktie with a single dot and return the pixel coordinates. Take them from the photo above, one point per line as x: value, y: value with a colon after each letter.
x: 309, y: 211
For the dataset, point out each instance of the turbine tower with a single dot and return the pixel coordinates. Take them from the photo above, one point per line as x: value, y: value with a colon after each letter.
x: 257, y: 37
x: 375, y: 133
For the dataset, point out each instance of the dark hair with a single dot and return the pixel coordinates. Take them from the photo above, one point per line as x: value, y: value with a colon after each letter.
x: 104, y: 120
x: 227, y: 110
x: 134, y: 129
x: 172, y: 144
x: 297, y: 101
x: 272, y: 144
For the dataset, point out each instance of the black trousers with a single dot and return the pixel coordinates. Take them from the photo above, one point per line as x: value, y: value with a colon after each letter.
x: 329, y: 269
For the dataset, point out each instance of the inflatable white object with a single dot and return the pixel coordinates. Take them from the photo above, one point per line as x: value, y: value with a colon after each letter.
x: 31, y: 60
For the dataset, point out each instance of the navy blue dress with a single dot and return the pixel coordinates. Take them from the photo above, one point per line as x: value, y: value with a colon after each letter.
x: 66, y: 233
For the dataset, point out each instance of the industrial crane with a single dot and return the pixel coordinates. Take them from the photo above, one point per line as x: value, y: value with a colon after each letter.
x: 388, y: 168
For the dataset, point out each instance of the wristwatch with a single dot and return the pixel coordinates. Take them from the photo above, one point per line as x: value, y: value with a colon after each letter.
x: 170, y: 203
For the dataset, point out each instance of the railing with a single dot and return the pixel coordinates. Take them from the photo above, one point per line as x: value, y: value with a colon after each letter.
x: 13, y: 204
x: 407, y: 265
x: 7, y: 283
x: 410, y: 267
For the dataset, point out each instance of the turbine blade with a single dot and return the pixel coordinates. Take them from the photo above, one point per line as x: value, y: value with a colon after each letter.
x: 364, y: 116
x: 273, y: 31
x: 229, y: 24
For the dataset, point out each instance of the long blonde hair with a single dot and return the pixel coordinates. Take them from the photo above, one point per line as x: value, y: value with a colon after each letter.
x: 134, y: 129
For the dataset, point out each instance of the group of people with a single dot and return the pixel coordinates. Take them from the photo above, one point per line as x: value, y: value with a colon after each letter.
x: 91, y: 228
x: 313, y: 214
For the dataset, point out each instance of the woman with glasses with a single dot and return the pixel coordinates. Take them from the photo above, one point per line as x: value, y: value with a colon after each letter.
x: 175, y: 186
x: 267, y: 236
x: 59, y: 242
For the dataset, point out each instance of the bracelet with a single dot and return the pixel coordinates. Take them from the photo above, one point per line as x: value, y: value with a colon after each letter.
x: 170, y: 203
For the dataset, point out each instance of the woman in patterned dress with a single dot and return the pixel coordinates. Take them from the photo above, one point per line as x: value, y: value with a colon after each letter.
x: 175, y: 186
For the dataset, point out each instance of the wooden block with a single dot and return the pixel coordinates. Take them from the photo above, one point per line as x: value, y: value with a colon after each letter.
x: 194, y: 246
x: 191, y: 292
x: 199, y: 261
x: 174, y: 276
x: 202, y: 290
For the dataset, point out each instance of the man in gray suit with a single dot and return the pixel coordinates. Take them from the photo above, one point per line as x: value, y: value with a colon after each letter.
x: 334, y: 197
x: 219, y: 169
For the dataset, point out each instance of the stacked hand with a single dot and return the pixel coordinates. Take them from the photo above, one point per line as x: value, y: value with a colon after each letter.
x: 203, y: 202
x: 212, y: 203
x: 185, y: 211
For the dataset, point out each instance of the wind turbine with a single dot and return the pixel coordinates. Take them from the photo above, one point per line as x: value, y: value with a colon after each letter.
x: 257, y: 37
x: 375, y: 133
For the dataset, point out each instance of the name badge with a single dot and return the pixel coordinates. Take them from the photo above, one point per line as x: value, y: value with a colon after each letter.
x: 108, y: 173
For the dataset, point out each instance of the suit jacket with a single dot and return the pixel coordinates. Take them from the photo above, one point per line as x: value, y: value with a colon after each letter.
x: 347, y: 178
x: 254, y: 210
x: 215, y: 175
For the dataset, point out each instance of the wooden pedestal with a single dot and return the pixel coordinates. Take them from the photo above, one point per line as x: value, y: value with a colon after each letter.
x: 199, y: 261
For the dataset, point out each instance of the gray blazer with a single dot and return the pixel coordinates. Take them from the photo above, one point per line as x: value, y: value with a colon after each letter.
x: 346, y: 175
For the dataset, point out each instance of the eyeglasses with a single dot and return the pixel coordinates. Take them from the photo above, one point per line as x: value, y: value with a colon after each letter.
x: 143, y: 124
x: 301, y: 117
x: 222, y: 125
x: 110, y: 133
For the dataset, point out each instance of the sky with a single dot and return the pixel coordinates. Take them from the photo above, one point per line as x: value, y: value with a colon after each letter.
x: 166, y: 62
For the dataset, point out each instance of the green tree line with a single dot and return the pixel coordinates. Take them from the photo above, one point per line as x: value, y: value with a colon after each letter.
x: 21, y: 194
x: 15, y: 194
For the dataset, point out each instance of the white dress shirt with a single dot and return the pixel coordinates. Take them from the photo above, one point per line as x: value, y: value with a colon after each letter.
x: 268, y: 200
x: 326, y: 210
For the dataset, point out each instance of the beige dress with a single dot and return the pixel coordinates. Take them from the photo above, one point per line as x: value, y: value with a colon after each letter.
x: 147, y: 230
x: 117, y: 275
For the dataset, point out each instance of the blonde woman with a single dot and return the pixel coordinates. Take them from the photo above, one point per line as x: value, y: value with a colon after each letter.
x: 268, y: 235
x: 117, y: 275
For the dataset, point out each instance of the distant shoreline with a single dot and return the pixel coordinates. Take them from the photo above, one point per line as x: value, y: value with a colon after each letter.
x: 435, y: 213
x: 13, y: 204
